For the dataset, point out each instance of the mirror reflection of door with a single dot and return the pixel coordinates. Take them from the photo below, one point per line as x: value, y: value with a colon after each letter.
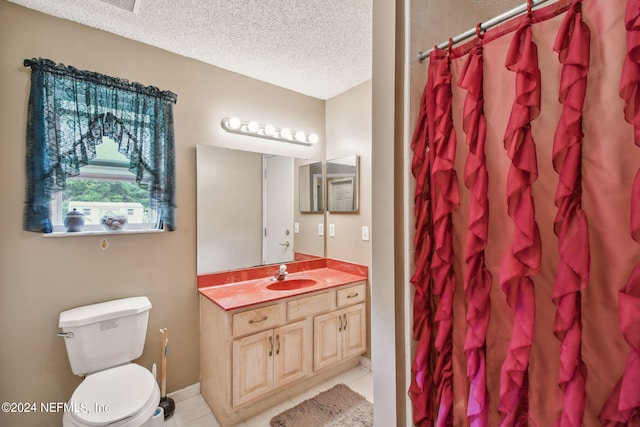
x: 278, y: 211
x: 341, y: 194
x: 317, y: 192
x: 342, y: 184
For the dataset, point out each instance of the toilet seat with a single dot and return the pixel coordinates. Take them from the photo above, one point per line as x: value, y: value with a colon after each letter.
x: 124, y: 396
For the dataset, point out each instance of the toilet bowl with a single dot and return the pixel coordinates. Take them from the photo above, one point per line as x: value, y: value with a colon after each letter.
x: 102, y: 340
x: 125, y: 396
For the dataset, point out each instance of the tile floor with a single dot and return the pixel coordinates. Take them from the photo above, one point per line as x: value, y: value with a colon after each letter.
x: 194, y: 412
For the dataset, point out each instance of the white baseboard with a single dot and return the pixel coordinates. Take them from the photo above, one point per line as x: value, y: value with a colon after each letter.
x: 185, y: 393
x: 366, y: 363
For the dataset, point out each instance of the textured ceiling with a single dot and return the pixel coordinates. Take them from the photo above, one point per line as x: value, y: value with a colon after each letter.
x: 320, y: 48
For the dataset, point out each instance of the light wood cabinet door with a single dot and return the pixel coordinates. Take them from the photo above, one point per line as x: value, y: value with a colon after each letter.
x: 354, y: 331
x: 252, y: 367
x: 267, y: 360
x: 339, y: 335
x: 291, y: 355
x: 326, y: 340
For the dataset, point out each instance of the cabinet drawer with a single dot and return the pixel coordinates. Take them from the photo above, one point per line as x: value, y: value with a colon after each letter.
x: 351, y: 295
x: 255, y: 320
x: 308, y: 306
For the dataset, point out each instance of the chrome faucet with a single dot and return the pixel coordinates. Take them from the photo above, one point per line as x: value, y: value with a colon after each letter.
x: 282, y: 273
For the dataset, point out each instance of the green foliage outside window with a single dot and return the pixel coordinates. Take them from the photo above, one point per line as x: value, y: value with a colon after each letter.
x: 91, y: 190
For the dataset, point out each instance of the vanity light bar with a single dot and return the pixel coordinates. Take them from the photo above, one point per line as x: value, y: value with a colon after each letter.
x: 253, y: 128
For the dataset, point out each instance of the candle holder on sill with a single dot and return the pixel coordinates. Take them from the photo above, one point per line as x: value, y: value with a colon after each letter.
x: 74, y: 221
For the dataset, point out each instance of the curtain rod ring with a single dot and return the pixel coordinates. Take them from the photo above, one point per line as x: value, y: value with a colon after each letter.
x: 479, y: 32
x: 529, y: 8
x: 450, y: 46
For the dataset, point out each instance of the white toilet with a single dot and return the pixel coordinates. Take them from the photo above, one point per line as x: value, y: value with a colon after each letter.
x: 102, y: 340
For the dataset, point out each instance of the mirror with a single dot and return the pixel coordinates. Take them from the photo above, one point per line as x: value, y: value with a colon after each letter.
x: 245, y: 218
x: 342, y: 184
x: 310, y: 188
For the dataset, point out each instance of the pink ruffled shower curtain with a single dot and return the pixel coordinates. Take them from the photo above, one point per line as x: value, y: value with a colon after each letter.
x: 477, y: 278
x: 624, y: 403
x: 527, y: 275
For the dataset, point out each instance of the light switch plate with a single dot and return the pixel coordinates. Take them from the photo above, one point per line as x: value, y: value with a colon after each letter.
x: 365, y: 232
x: 296, y: 227
x: 332, y: 230
x: 320, y: 229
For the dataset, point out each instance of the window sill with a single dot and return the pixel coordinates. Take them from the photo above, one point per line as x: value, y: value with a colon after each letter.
x: 101, y: 233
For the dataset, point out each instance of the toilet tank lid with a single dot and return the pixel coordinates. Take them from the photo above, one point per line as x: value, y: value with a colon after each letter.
x: 103, y: 311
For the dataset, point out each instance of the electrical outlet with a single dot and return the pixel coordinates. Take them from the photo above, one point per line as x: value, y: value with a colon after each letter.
x: 320, y: 229
x: 296, y: 227
x: 332, y: 230
x: 365, y: 232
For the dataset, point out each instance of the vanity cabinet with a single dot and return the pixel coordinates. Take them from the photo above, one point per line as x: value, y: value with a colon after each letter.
x: 254, y: 357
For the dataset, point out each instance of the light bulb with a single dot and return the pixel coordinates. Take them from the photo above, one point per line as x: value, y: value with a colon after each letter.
x: 285, y: 133
x: 253, y: 126
x: 234, y: 123
x: 269, y: 130
x: 300, y: 136
x: 313, y: 138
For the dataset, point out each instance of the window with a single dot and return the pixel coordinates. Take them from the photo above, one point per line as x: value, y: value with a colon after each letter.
x: 71, y: 164
x: 105, y: 188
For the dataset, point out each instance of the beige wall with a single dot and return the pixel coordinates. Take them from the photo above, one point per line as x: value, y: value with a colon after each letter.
x: 348, y: 133
x: 40, y: 277
x: 432, y: 22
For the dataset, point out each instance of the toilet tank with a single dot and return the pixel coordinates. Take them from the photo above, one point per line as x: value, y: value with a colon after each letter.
x: 104, y: 335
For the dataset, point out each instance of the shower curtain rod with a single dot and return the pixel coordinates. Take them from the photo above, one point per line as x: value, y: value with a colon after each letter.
x: 484, y: 27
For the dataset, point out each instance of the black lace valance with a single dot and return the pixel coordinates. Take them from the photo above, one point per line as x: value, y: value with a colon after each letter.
x: 98, y: 79
x: 71, y: 110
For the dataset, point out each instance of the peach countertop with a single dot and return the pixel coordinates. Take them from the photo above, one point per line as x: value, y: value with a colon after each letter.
x: 239, y: 294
